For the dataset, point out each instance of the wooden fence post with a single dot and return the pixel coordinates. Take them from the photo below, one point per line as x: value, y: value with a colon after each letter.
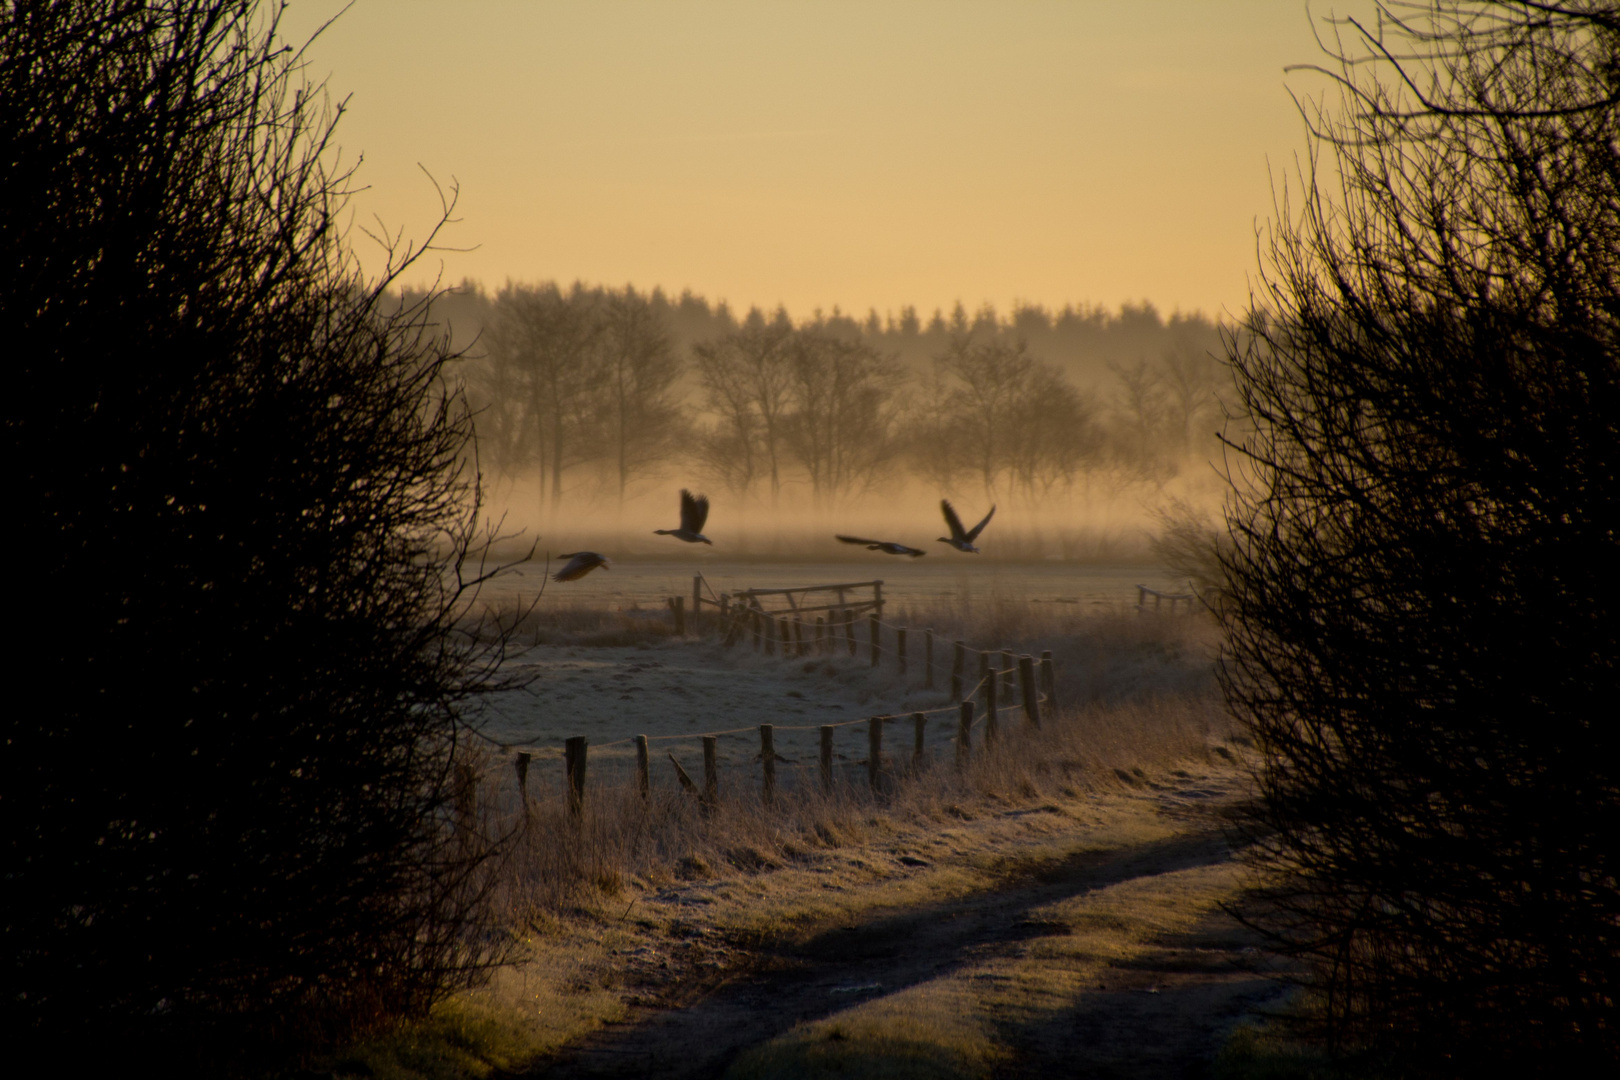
x: 677, y: 604
x: 643, y: 769
x: 821, y: 635
x: 920, y: 721
x: 826, y: 759
x: 877, y: 598
x: 928, y: 659
x: 1048, y: 681
x: 874, y: 752
x: 964, y: 734
x: 785, y: 628
x: 680, y: 774
x: 1032, y: 696
x: 990, y: 710
x: 711, y: 772
x: 877, y: 638
x: 849, y: 629
x: 958, y: 661
x: 798, y: 635
x: 522, y: 763
x: 574, y: 766
x: 697, y: 603
x: 770, y: 634
x: 900, y: 648
x: 1008, y: 666
x: 767, y: 756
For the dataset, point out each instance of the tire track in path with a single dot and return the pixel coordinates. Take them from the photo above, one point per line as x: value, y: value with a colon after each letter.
x: 1113, y: 960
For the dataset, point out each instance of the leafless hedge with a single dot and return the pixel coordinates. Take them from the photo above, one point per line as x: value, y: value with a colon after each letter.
x: 1421, y: 635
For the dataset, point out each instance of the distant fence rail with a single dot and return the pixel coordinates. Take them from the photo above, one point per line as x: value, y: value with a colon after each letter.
x: 774, y: 603
x: 1143, y: 592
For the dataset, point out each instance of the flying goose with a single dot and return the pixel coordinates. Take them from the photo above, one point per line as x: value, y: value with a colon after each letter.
x: 581, y: 563
x: 960, y: 540
x: 886, y: 546
x: 694, y: 512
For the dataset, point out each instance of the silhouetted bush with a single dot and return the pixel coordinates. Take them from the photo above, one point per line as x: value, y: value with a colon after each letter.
x: 1421, y: 627
x: 240, y: 513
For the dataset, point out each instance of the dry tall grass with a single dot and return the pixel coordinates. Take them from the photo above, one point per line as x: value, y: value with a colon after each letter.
x: 582, y: 625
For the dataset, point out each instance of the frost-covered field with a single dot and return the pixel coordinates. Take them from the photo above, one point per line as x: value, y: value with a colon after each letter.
x: 675, y: 691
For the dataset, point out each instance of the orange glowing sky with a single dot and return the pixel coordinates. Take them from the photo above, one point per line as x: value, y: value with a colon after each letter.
x: 868, y: 154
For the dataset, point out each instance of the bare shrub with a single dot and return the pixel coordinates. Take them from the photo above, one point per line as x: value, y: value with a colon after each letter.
x: 244, y: 495
x: 1190, y: 544
x: 1419, y: 612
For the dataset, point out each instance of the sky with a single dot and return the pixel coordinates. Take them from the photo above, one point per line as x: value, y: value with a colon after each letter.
x: 860, y: 155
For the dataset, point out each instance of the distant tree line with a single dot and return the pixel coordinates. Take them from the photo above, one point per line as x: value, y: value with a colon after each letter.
x: 591, y: 391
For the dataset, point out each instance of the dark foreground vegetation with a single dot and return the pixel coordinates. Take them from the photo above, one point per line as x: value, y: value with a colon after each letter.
x: 238, y: 817
x: 237, y: 527
x: 1421, y: 626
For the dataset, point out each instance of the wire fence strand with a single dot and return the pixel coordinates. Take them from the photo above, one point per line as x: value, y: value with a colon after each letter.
x: 746, y: 614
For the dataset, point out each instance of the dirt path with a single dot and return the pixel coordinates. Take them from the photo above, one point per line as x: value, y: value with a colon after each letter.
x: 1093, y: 961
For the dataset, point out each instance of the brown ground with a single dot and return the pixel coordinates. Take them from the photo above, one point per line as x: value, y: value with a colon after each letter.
x: 1075, y: 939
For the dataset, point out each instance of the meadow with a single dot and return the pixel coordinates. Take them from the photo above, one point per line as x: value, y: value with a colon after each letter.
x: 600, y: 661
x: 670, y: 927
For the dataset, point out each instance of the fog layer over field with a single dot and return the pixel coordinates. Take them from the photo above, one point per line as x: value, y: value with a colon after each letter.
x: 596, y: 406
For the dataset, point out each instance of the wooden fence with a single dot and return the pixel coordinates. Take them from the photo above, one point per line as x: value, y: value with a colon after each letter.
x: 1143, y: 592
x: 776, y: 620
x: 738, y: 610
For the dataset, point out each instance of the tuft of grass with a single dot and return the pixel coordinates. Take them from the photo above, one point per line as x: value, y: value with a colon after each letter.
x: 1257, y: 1051
x: 458, y: 1038
x: 927, y: 1034
x: 1275, y: 1047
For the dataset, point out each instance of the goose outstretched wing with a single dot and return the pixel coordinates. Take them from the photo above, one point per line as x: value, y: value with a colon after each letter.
x: 580, y: 563
x: 694, y: 511
x: 954, y: 522
x: 979, y: 528
x: 854, y: 539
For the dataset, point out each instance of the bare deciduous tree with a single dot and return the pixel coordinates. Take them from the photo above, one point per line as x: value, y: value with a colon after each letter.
x: 1165, y: 411
x: 641, y: 420
x: 845, y: 410
x: 745, y: 376
x: 987, y: 376
x: 1054, y: 433
x: 993, y: 411
x: 549, y: 344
